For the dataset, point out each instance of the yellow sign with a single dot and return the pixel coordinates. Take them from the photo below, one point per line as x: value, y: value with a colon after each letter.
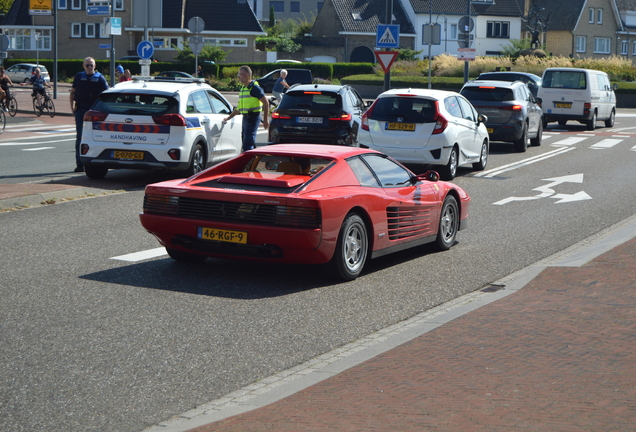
x: 40, y: 7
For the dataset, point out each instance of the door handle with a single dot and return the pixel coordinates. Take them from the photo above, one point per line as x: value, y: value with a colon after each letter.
x: 205, y: 121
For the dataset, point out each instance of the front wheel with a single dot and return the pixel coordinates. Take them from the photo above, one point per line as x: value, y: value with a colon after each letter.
x: 50, y: 107
x: 483, y: 158
x: 610, y: 121
x: 12, y: 106
x: 196, y: 163
x: 352, y: 248
x: 536, y: 141
x: 36, y: 109
x: 449, y: 170
x: 448, y: 223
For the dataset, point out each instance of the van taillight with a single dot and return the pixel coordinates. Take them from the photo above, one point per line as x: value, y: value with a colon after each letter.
x: 169, y: 120
x: 440, y: 121
x: 95, y: 116
x: 587, y: 106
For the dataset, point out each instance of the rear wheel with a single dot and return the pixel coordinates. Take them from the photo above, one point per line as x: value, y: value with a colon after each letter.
x: 522, y: 143
x: 448, y: 223
x: 196, y: 163
x: 591, y: 125
x: 610, y: 121
x: 184, y: 256
x: 536, y: 141
x: 12, y: 106
x: 95, y: 172
x: 483, y: 157
x: 449, y: 171
x: 351, y: 251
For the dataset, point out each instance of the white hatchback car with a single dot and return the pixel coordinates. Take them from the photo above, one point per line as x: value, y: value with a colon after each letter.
x: 150, y: 123
x: 429, y: 127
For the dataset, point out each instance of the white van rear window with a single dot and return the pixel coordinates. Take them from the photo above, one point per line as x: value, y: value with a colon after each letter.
x: 565, y: 79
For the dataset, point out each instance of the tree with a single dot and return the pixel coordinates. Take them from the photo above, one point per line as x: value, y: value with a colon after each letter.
x: 5, y: 5
x: 208, y: 53
x: 272, y: 17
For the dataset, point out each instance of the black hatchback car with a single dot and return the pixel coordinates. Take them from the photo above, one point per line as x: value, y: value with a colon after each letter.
x: 318, y: 114
x: 532, y: 81
x: 514, y: 115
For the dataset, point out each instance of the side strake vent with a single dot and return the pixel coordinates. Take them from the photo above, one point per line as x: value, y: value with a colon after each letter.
x: 405, y: 222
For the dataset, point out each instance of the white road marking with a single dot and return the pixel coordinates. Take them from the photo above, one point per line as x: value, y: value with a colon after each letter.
x: 16, y: 143
x: 495, y: 171
x: 569, y: 141
x: 39, y: 148
x: 143, y: 255
x: 606, y: 143
x: 548, y: 191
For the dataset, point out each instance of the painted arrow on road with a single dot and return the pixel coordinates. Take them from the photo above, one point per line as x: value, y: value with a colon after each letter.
x: 548, y: 191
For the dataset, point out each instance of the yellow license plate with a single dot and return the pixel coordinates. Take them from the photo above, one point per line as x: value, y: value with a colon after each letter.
x: 563, y: 104
x: 117, y: 154
x: 401, y: 126
x: 490, y: 130
x: 224, y: 235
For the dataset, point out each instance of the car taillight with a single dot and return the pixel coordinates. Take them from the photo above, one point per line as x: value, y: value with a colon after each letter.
x: 587, y: 106
x: 95, y: 116
x: 276, y: 115
x: 440, y: 121
x: 343, y: 117
x: 169, y: 120
x: 511, y: 108
x: 365, y: 117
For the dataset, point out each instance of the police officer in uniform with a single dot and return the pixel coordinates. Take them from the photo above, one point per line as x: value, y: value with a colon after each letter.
x: 252, y: 102
x: 87, y: 86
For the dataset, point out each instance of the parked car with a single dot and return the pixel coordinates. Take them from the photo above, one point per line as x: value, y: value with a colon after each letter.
x: 310, y: 204
x: 583, y: 95
x: 23, y: 72
x: 531, y: 80
x: 130, y: 58
x: 154, y: 123
x: 419, y: 126
x: 174, y: 74
x: 318, y: 113
x: 514, y: 115
x: 294, y: 76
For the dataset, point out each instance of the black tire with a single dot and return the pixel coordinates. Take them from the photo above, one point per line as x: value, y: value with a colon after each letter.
x: 50, y: 107
x: 95, y: 172
x: 12, y: 106
x: 449, y: 170
x: 591, y: 125
x: 521, y: 145
x: 197, y: 163
x: 185, y: 256
x: 483, y: 157
x: 35, y: 108
x: 536, y: 141
x: 448, y: 223
x: 352, y: 248
x: 545, y: 123
x: 610, y: 121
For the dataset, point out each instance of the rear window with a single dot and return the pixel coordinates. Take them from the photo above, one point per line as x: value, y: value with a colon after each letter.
x: 487, y: 93
x: 565, y: 79
x: 316, y: 100
x: 416, y: 110
x: 136, y: 104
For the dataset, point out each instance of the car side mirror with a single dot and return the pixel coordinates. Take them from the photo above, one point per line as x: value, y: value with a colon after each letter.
x: 539, y: 101
x: 482, y: 119
x: 615, y: 86
x: 429, y: 175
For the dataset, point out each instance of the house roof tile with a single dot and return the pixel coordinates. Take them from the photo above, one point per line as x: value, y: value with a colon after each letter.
x: 370, y: 13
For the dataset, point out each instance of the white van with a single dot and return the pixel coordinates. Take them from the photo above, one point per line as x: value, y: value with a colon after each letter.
x: 583, y: 95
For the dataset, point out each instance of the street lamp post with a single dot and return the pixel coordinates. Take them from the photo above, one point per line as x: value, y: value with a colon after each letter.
x: 37, y: 48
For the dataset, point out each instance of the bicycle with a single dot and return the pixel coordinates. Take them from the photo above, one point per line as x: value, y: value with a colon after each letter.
x: 11, y: 104
x: 47, y: 105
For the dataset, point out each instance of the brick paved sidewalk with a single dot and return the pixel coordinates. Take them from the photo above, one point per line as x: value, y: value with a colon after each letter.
x: 558, y: 355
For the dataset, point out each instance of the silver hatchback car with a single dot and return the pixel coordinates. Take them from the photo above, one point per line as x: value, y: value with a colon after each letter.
x: 23, y: 72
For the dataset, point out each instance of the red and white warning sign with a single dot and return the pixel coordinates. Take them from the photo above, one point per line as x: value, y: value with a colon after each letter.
x: 386, y: 59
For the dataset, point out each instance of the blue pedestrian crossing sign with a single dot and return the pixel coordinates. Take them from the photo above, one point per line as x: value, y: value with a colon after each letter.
x: 388, y: 36
x: 145, y: 50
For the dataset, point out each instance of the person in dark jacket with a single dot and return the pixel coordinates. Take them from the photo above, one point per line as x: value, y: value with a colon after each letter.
x: 87, y: 86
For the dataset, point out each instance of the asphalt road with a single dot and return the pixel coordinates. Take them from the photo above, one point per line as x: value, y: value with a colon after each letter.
x: 95, y: 343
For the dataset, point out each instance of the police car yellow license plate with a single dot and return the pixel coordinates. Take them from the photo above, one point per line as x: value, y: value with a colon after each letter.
x: 401, y: 126
x: 230, y: 236
x: 490, y: 130
x: 118, y: 154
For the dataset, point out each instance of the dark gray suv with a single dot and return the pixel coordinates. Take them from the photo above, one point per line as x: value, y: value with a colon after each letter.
x: 514, y: 115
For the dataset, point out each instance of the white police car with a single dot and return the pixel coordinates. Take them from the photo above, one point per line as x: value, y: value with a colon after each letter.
x: 167, y: 124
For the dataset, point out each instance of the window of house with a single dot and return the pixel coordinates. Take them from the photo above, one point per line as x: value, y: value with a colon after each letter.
x: 634, y: 49
x: 167, y: 42
x: 624, y: 47
x: 62, y: 4
x: 119, y: 5
x: 76, y: 4
x: 452, y: 33
x: 18, y: 39
x: 279, y: 6
x: 591, y: 16
x: 294, y: 6
x: 44, y: 41
x: 498, y: 29
x: 581, y: 43
x: 76, y: 30
x: 602, y: 45
x: 90, y: 30
x: 599, y: 16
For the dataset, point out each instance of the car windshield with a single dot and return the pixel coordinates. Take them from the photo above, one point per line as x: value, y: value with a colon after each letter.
x: 140, y: 104
x: 565, y: 79
x: 415, y: 110
x: 315, y: 100
x: 488, y: 93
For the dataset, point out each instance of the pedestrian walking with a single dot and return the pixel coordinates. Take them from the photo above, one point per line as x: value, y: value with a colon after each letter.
x: 252, y: 102
x: 87, y: 86
x: 280, y: 86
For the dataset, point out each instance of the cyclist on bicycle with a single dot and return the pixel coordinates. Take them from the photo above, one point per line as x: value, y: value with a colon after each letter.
x: 5, y: 82
x: 38, y: 86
